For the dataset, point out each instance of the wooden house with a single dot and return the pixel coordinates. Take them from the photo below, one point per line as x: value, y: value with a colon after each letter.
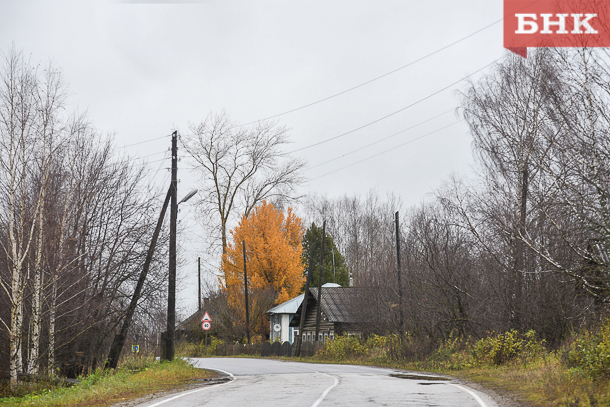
x: 340, y: 314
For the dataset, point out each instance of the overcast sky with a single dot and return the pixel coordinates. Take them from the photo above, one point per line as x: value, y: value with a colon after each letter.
x: 144, y: 68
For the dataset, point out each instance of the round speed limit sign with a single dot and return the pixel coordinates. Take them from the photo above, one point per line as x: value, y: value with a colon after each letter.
x: 206, y: 325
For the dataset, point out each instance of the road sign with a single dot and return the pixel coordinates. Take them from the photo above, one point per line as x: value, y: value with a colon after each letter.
x: 277, y: 327
x: 206, y: 317
x: 206, y: 325
x: 135, y: 348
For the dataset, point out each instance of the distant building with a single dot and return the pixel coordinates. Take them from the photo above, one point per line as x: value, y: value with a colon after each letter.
x: 339, y: 314
x: 281, y: 316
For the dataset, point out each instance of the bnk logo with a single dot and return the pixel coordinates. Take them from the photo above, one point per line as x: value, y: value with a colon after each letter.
x: 555, y: 23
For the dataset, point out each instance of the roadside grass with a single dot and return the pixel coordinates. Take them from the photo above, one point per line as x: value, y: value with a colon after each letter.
x: 135, y: 377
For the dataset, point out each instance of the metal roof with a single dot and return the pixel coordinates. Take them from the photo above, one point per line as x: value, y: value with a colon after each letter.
x: 288, y: 307
x: 339, y: 303
x: 291, y: 306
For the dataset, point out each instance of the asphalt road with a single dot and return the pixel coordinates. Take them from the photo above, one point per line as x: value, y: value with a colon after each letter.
x: 272, y: 383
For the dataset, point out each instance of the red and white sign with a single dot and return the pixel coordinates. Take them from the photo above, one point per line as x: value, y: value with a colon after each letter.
x: 555, y: 23
x: 206, y: 317
x: 206, y: 325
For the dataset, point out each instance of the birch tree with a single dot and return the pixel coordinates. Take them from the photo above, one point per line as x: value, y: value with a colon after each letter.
x: 27, y: 110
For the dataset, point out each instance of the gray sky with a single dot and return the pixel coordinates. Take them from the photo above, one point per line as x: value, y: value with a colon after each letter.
x: 142, y: 69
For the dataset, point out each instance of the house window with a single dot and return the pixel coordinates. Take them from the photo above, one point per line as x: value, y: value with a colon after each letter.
x: 332, y: 335
x: 320, y: 337
x: 308, y: 336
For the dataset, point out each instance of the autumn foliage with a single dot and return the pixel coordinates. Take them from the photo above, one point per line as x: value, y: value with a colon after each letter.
x: 273, y: 260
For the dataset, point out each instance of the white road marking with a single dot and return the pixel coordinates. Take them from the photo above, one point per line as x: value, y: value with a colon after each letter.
x: 473, y: 394
x: 319, y: 400
x: 195, y: 391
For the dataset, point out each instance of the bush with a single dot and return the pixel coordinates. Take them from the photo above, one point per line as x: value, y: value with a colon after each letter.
x: 508, y: 347
x: 343, y: 347
x: 193, y: 350
x: 590, y: 353
x: 453, y: 353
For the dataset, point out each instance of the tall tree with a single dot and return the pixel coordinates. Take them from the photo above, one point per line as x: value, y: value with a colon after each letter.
x: 508, y: 113
x: 240, y: 166
x: 335, y: 268
x: 273, y: 259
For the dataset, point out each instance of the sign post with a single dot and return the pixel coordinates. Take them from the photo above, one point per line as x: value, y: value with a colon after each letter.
x: 206, y: 325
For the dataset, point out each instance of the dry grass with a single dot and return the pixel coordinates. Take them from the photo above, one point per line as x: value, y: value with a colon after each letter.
x: 101, y: 389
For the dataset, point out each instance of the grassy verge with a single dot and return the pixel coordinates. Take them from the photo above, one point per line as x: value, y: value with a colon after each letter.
x: 134, y: 378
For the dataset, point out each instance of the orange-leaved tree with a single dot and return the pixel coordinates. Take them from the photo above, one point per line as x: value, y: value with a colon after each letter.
x: 273, y: 260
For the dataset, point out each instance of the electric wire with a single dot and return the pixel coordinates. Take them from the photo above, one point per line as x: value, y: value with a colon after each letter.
x: 143, y: 142
x: 381, y: 140
x: 386, y: 151
x: 376, y: 78
x: 395, y: 112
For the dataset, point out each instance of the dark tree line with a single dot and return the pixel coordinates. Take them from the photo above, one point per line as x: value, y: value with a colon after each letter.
x: 75, y: 223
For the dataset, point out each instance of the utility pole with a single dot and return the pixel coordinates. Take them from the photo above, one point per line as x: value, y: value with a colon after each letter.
x: 119, y: 339
x: 246, y: 293
x: 400, y: 312
x: 304, y: 307
x: 171, y: 295
x: 319, y: 313
x: 199, y: 283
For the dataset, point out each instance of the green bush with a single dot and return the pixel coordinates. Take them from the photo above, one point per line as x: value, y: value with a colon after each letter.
x: 590, y: 353
x: 193, y: 350
x: 342, y: 347
x: 453, y: 353
x: 508, y: 347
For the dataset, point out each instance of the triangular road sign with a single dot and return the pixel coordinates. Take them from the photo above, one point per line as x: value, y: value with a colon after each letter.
x: 206, y: 317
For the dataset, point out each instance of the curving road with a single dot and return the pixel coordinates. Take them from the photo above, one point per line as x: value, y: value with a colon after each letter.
x: 273, y: 383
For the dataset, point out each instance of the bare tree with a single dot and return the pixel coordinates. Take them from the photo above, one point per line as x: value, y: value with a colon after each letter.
x: 508, y: 112
x: 240, y: 166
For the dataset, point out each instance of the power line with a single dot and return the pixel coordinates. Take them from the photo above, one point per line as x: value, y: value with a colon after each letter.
x: 149, y: 155
x: 142, y: 142
x: 395, y: 112
x: 381, y: 140
x: 376, y: 78
x: 386, y: 151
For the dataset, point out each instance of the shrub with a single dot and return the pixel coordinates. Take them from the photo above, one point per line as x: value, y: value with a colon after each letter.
x: 342, y: 347
x: 590, y: 353
x: 193, y: 350
x: 508, y: 347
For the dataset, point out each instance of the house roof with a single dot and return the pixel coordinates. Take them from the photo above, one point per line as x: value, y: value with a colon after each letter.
x: 338, y: 303
x: 288, y: 307
x: 291, y: 306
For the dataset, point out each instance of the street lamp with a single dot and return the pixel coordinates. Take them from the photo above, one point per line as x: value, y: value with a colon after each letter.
x: 188, y: 196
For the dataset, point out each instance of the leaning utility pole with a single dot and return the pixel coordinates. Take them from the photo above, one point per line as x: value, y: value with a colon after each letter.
x: 319, y: 313
x: 246, y: 292
x: 400, y: 313
x: 119, y: 338
x: 171, y: 295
